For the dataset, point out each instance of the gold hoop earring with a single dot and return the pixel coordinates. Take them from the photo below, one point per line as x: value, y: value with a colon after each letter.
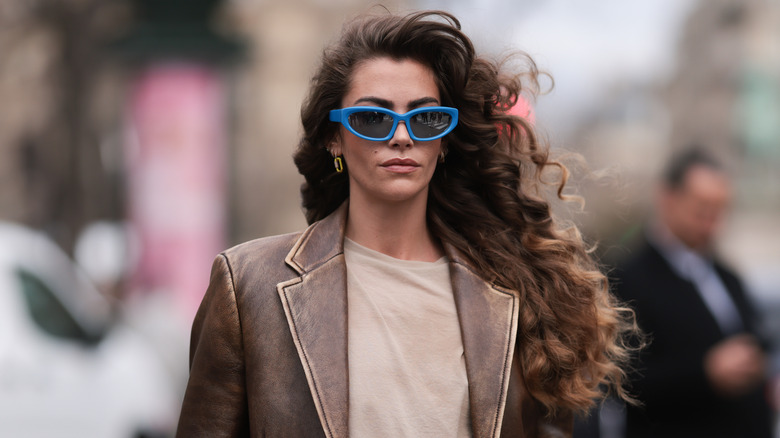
x: 338, y: 163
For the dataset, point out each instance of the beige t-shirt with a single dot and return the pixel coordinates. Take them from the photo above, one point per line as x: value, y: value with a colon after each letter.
x: 407, y: 372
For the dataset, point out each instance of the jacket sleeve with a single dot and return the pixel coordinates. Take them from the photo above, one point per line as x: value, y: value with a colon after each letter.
x: 215, y: 402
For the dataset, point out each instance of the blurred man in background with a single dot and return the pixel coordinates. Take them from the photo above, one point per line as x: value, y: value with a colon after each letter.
x: 704, y: 371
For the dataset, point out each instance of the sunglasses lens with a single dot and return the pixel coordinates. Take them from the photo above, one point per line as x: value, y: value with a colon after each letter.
x: 372, y: 124
x: 429, y: 124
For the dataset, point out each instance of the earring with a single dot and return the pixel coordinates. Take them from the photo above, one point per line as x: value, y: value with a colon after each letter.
x: 442, y: 154
x: 338, y: 163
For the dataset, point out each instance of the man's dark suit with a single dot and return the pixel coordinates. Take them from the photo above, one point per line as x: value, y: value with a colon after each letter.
x: 670, y: 379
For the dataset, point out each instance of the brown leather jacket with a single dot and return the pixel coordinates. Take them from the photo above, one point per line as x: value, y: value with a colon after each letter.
x: 268, y: 353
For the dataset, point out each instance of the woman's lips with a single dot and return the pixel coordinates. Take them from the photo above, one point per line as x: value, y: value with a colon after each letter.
x: 400, y: 165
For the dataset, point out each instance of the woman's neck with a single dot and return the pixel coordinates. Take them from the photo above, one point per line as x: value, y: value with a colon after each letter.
x: 399, y: 230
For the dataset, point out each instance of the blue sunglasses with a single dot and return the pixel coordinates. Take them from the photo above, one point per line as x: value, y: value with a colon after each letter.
x: 378, y: 124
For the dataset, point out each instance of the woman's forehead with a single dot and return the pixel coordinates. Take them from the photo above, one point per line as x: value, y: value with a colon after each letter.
x: 400, y: 83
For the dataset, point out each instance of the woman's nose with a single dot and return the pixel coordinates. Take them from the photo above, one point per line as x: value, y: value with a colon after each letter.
x: 401, y: 137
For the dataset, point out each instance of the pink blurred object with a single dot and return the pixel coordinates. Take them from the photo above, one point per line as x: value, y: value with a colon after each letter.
x: 523, y: 108
x: 176, y: 158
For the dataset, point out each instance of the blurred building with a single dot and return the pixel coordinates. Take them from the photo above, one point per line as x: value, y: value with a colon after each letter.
x: 725, y: 95
x: 57, y: 164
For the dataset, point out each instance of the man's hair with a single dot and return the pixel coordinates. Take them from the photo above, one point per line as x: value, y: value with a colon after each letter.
x: 682, y: 162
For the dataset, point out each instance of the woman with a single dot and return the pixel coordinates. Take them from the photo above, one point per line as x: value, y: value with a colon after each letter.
x: 433, y: 294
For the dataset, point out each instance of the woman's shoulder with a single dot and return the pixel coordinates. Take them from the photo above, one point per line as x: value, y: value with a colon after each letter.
x: 265, y: 251
x: 320, y: 240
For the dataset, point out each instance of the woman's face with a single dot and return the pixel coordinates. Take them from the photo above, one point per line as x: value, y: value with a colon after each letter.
x: 399, y: 169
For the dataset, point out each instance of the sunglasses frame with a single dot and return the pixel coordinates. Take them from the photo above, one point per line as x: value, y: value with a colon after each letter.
x: 342, y: 116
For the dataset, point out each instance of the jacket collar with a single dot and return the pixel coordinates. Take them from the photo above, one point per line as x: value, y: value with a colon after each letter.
x: 316, y: 308
x: 322, y: 241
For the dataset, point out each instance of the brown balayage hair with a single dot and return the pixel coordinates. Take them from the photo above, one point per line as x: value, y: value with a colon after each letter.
x: 485, y: 200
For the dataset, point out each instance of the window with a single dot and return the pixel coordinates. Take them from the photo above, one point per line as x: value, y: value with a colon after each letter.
x: 48, y: 312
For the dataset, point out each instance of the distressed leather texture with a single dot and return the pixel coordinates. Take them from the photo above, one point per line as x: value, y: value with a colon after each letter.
x: 268, y: 354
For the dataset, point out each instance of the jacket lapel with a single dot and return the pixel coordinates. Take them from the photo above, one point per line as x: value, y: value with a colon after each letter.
x: 488, y: 319
x: 315, y: 305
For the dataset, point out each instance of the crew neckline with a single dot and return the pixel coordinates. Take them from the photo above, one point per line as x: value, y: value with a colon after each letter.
x: 351, y: 245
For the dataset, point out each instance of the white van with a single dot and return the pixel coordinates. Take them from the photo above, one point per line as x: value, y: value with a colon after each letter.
x: 69, y: 367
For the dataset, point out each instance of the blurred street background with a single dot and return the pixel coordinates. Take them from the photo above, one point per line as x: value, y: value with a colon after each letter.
x: 141, y: 137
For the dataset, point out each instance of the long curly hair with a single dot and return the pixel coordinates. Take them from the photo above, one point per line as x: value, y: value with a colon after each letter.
x: 486, y: 199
